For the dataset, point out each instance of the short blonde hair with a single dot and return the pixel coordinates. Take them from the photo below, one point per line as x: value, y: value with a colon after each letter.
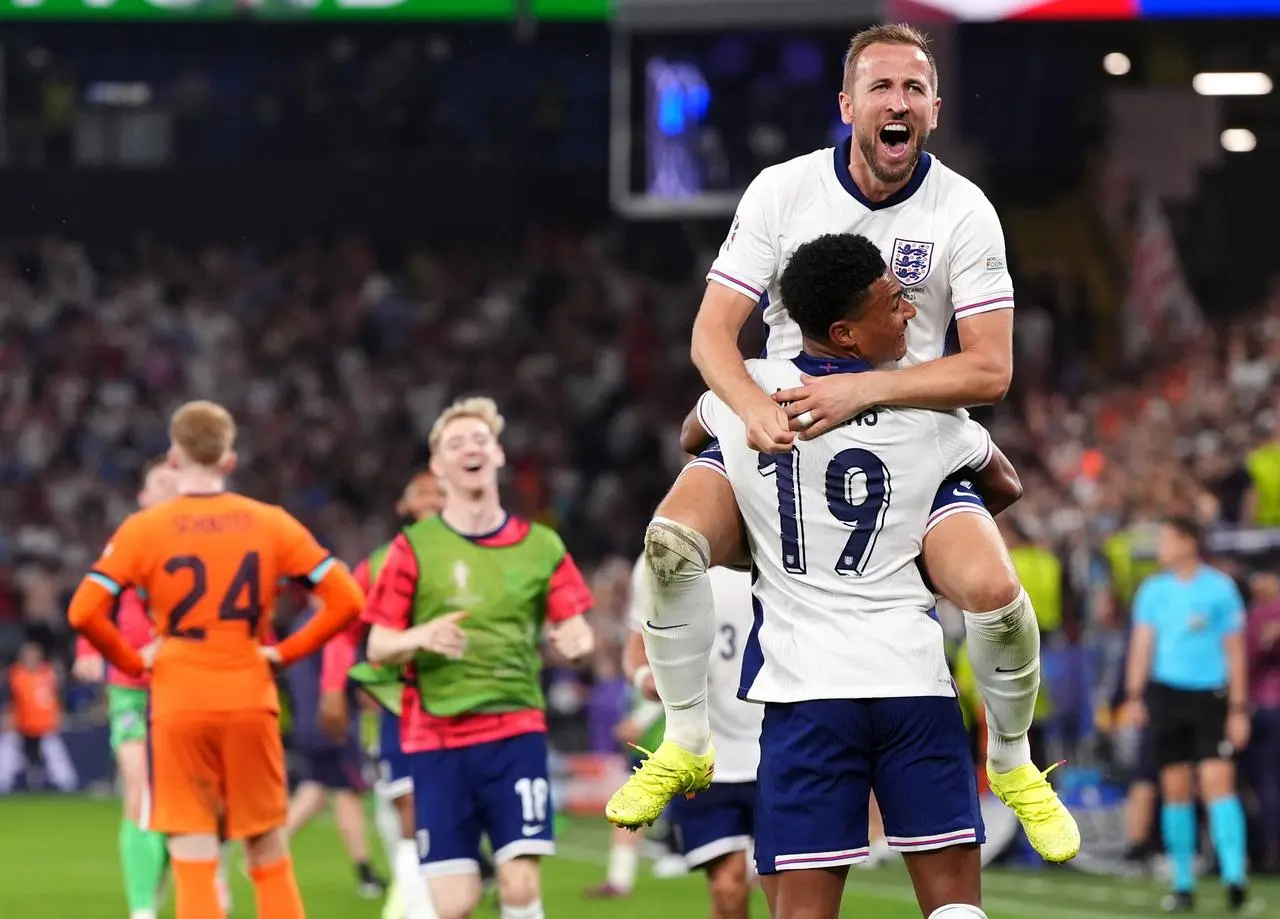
x: 204, y: 431
x: 480, y: 407
x: 887, y: 34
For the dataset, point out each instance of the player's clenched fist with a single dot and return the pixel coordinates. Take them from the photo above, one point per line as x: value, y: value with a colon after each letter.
x: 442, y: 636
x: 573, y: 639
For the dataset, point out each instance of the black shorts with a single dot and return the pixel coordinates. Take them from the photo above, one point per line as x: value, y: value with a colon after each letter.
x: 1187, y: 726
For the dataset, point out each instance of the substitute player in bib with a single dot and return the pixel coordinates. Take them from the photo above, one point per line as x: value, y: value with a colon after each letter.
x: 845, y: 650
x: 943, y: 243
x: 209, y: 563
x: 142, y: 851
x: 407, y: 898
x: 462, y: 600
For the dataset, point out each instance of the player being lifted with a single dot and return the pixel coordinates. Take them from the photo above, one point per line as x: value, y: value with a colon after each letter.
x: 462, y: 599
x: 943, y: 242
x: 142, y: 852
x: 209, y: 564
x: 844, y: 652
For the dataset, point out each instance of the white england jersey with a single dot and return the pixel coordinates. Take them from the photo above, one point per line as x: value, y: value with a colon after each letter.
x: 835, y: 527
x: 939, y: 235
x: 735, y: 725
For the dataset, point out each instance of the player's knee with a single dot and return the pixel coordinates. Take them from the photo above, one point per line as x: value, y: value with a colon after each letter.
x: 266, y: 848
x: 958, y: 911
x: 455, y: 896
x: 518, y: 882
x: 986, y: 590
x: 729, y: 887
x: 674, y: 552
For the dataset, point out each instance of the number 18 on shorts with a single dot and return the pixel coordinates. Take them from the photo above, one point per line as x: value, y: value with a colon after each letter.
x: 497, y: 789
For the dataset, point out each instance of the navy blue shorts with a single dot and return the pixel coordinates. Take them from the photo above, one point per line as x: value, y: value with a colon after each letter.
x: 497, y: 789
x: 956, y: 495
x: 394, y: 778
x: 819, y: 762
x: 714, y: 823
x: 711, y: 458
x: 335, y: 768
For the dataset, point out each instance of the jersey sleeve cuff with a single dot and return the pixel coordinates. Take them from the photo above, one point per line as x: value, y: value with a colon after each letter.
x: 704, y: 417
x: 986, y: 304
x: 985, y: 455
x: 105, y: 581
x: 742, y: 286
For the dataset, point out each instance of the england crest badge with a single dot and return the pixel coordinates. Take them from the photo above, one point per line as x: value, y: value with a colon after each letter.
x: 911, y: 261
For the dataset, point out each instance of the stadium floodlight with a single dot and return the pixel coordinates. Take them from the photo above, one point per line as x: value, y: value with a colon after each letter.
x: 1238, y: 140
x: 1116, y: 64
x: 1243, y: 83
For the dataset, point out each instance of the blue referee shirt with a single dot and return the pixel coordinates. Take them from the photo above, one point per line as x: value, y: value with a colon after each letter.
x: 1190, y: 619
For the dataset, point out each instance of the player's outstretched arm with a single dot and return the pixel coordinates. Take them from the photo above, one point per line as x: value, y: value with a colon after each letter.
x: 998, y: 482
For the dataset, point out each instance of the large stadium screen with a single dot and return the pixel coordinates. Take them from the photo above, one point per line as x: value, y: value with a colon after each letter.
x: 697, y: 114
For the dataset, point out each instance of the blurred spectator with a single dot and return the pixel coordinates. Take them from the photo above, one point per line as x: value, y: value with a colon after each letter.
x: 1263, y: 638
x: 30, y: 741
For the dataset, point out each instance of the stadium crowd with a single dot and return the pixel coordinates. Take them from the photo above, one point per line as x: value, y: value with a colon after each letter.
x: 336, y: 358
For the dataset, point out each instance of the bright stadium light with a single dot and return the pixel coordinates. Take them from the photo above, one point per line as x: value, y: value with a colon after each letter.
x: 1238, y: 140
x: 1244, y: 83
x: 1116, y: 64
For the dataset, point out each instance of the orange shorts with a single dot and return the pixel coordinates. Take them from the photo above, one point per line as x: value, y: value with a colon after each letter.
x: 213, y: 771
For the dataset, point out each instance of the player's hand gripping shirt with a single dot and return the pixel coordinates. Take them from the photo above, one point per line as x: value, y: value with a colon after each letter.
x: 939, y: 235
x: 210, y: 567
x: 509, y: 582
x: 735, y: 724
x: 835, y: 527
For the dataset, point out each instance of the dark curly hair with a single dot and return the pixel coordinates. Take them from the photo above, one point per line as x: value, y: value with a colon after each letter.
x: 1189, y: 527
x: 828, y: 279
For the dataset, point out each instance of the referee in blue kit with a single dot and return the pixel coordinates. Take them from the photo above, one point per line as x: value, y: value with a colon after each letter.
x: 1186, y: 680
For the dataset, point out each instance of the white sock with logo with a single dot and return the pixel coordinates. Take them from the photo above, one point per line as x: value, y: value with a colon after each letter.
x: 1004, y: 648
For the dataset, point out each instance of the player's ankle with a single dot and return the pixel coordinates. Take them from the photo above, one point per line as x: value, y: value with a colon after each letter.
x: 1005, y: 754
x: 689, y: 729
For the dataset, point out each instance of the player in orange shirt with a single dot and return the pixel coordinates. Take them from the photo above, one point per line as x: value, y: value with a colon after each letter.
x: 209, y: 564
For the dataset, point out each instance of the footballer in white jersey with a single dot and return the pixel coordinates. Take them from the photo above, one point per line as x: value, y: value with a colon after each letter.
x: 835, y: 528
x: 939, y: 234
x: 718, y: 824
x: 845, y: 651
